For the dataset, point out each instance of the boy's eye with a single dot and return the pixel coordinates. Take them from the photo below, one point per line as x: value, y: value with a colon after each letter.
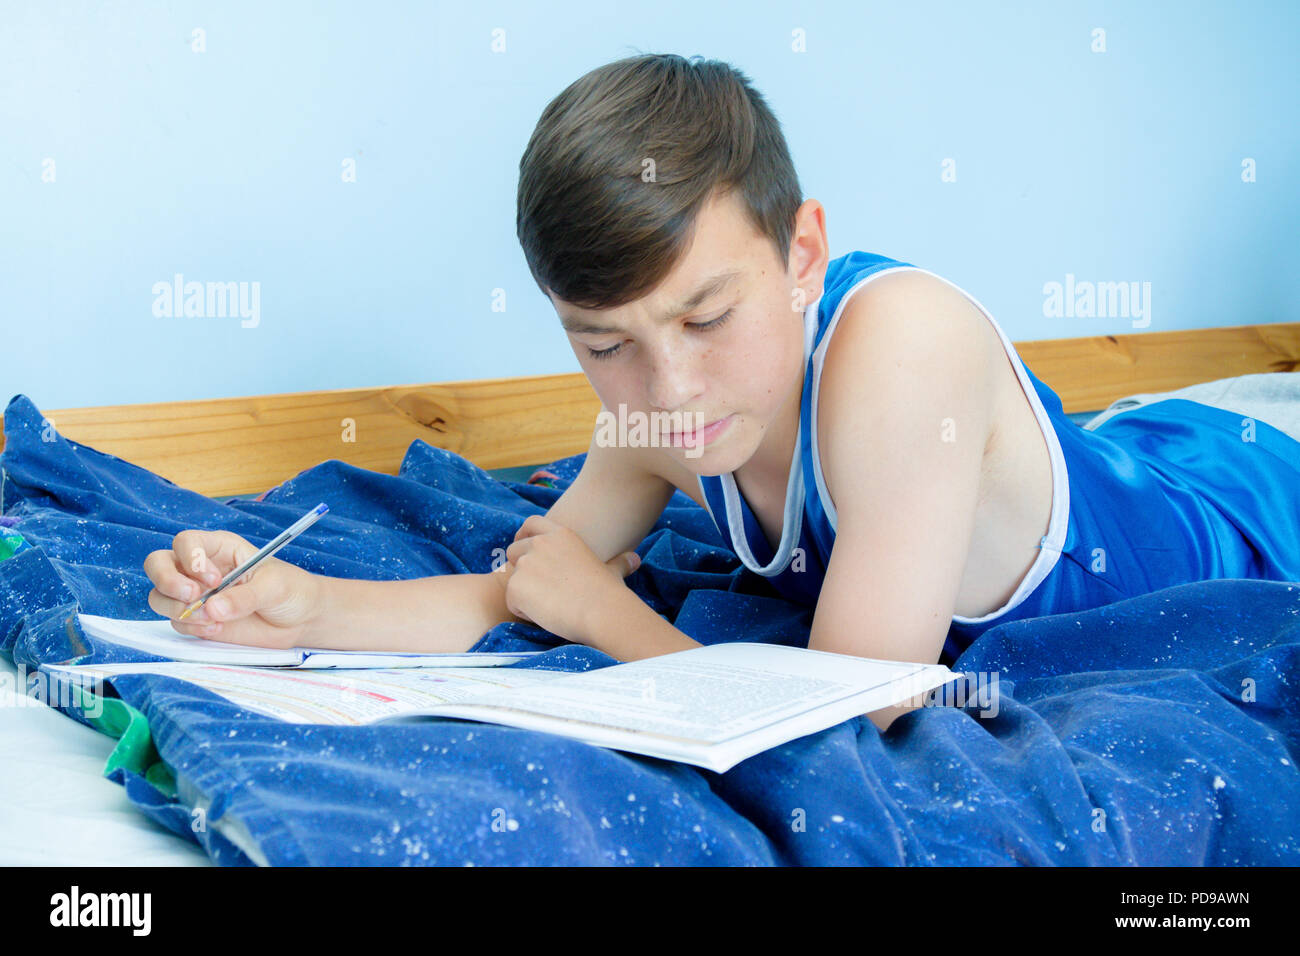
x: 713, y: 324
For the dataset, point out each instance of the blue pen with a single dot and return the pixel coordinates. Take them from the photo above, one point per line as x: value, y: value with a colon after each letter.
x: 278, y: 542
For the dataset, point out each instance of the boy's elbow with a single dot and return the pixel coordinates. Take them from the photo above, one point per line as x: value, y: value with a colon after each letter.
x: 885, y: 716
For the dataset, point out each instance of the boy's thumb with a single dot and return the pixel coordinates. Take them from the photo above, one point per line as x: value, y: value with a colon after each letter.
x: 625, y: 563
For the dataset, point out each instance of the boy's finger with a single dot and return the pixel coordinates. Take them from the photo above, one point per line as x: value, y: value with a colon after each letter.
x: 169, y: 578
x: 207, y: 556
x: 209, y: 630
x: 240, y: 600
x: 519, y: 548
x: 196, y: 555
x: 535, y: 524
x: 171, y: 608
x: 624, y: 564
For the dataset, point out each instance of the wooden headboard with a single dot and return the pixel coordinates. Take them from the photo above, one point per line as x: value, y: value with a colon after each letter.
x: 235, y: 446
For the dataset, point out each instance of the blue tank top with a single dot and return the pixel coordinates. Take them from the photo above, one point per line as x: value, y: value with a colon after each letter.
x: 1166, y: 493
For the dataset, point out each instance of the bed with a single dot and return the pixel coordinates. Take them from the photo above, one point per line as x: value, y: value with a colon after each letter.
x: 1123, y: 734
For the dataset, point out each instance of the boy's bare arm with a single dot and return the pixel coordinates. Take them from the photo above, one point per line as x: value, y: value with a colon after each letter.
x: 628, y: 629
x: 611, y: 505
x: 444, y: 614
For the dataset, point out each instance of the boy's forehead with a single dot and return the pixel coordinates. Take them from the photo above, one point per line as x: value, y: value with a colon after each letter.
x: 672, y: 299
x: 724, y: 248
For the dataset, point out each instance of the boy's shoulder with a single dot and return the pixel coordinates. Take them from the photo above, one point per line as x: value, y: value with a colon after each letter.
x: 902, y: 340
x: 912, y: 308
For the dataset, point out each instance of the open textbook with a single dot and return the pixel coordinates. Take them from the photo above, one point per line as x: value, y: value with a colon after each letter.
x: 159, y: 638
x: 709, y: 706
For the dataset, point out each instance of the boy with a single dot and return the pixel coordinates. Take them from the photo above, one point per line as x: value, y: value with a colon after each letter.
x: 859, y: 402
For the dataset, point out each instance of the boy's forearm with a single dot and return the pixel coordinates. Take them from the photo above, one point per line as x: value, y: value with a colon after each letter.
x: 628, y: 629
x: 444, y: 614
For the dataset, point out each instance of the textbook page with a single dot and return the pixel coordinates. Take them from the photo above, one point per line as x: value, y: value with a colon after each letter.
x: 159, y: 638
x: 325, y: 697
x: 712, y: 706
x: 716, y: 693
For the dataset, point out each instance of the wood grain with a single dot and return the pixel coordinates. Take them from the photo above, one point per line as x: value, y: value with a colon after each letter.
x: 235, y: 446
x: 1090, y: 373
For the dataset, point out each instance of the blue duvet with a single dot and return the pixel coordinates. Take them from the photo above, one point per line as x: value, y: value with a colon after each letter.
x: 1161, y: 730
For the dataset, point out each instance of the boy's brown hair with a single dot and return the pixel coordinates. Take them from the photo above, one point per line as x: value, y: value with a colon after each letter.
x: 624, y: 159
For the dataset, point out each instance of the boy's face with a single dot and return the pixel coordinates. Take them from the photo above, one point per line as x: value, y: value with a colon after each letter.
x: 745, y: 371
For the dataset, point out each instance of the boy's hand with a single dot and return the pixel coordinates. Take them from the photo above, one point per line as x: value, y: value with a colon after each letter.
x: 270, y: 606
x: 556, y: 581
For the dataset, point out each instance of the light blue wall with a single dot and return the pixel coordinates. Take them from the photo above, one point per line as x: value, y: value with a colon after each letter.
x: 225, y: 165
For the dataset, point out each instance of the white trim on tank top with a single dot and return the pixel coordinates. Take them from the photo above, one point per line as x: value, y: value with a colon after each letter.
x: 792, y: 518
x: 1051, y: 543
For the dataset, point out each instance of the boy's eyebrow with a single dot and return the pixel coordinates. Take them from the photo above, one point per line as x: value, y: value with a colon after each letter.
x: 709, y: 288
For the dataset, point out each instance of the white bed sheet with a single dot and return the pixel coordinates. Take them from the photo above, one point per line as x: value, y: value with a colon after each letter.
x: 57, y: 808
x: 1272, y: 397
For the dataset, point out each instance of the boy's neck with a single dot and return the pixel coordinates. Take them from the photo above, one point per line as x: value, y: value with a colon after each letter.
x: 769, y: 467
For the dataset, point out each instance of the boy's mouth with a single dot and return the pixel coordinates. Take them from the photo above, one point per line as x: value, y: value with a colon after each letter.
x: 699, y: 437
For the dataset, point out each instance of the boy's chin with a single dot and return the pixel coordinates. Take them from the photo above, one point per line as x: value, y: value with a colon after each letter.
x: 708, y: 462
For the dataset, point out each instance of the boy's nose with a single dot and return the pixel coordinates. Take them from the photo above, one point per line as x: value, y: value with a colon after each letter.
x: 672, y: 397
x: 673, y: 382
